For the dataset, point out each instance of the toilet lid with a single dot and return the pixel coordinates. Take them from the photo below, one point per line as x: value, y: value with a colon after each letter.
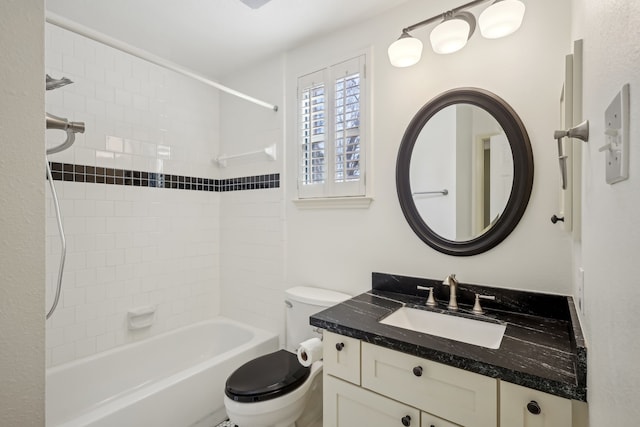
x: 266, y: 377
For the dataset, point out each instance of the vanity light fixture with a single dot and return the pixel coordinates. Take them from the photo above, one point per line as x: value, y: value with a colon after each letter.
x: 501, y: 18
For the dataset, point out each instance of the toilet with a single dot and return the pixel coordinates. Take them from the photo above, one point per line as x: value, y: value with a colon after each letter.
x: 275, y: 390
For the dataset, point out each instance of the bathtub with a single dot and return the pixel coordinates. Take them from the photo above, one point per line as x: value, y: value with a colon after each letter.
x: 171, y: 380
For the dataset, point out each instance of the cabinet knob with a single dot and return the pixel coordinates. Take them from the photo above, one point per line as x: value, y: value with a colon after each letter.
x: 339, y: 346
x: 417, y: 371
x: 406, y: 421
x: 533, y: 407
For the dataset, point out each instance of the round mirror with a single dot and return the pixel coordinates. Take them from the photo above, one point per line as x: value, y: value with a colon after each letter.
x: 464, y: 171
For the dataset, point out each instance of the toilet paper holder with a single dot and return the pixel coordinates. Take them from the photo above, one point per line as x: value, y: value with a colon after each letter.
x: 310, y: 351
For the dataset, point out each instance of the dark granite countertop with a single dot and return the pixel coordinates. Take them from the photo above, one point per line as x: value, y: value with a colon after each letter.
x: 543, y: 347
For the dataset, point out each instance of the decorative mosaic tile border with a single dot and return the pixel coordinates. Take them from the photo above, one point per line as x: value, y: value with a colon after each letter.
x: 98, y: 175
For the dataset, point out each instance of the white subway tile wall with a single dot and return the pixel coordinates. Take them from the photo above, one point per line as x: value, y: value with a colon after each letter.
x: 130, y: 246
x: 252, y: 235
x: 138, y: 115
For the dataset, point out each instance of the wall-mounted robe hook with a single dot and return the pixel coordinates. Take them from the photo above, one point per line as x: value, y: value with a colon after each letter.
x: 580, y: 132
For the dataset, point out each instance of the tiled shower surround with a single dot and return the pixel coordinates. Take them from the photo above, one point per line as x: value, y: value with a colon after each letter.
x: 139, y: 195
x: 129, y: 247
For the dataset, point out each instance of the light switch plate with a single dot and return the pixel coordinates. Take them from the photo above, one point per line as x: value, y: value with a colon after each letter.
x: 616, y: 149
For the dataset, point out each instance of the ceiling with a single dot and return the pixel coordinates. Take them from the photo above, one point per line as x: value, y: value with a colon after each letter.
x: 216, y: 37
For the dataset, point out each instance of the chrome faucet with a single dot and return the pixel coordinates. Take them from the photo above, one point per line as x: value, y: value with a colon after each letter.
x: 452, y: 282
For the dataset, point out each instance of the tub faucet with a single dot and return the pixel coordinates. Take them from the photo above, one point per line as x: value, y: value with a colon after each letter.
x: 452, y: 282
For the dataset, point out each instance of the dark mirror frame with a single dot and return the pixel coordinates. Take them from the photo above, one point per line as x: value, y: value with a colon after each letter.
x: 522, y: 171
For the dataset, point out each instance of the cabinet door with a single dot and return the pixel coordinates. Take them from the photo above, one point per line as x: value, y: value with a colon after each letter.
x: 341, y: 357
x: 346, y: 405
x: 524, y: 407
x: 461, y: 397
x: 429, y: 420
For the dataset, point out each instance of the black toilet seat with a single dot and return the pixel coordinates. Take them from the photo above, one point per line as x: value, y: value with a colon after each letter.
x: 266, y: 377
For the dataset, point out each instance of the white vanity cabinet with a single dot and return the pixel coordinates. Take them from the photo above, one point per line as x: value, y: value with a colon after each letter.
x: 341, y: 357
x: 524, y: 407
x: 369, y: 385
x: 347, y: 405
x: 429, y: 420
x: 459, y: 396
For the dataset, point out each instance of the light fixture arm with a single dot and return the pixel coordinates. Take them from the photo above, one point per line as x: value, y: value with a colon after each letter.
x: 443, y: 15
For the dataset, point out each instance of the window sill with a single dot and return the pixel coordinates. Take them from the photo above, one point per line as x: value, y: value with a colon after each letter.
x: 334, y: 203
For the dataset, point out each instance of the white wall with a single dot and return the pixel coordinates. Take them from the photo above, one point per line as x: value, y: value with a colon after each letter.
x: 130, y: 246
x: 610, y: 226
x: 339, y: 248
x: 22, y: 253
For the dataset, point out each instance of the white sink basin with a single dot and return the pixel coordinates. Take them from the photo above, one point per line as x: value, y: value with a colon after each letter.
x: 476, y: 332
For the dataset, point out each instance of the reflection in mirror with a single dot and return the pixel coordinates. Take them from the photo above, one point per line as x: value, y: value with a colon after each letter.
x: 461, y: 172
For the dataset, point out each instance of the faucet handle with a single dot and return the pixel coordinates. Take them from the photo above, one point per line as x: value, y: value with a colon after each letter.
x: 477, y: 309
x: 431, y: 301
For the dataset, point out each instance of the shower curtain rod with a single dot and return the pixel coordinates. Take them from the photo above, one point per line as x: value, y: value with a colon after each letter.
x: 74, y: 27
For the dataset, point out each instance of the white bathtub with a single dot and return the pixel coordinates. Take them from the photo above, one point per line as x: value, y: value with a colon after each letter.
x: 172, y: 380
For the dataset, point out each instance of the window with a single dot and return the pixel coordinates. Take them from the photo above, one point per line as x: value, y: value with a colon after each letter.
x: 331, y: 105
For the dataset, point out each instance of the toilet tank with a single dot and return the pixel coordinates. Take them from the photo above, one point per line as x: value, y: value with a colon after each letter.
x: 301, y: 302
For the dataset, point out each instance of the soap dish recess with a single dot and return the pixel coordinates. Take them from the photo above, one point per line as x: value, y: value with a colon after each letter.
x: 141, y: 317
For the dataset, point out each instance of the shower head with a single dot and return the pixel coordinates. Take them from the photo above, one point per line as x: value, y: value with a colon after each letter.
x: 56, y: 83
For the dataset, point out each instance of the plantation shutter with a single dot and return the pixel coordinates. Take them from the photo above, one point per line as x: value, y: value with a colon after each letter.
x: 312, y: 100
x: 331, y: 131
x: 348, y: 105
